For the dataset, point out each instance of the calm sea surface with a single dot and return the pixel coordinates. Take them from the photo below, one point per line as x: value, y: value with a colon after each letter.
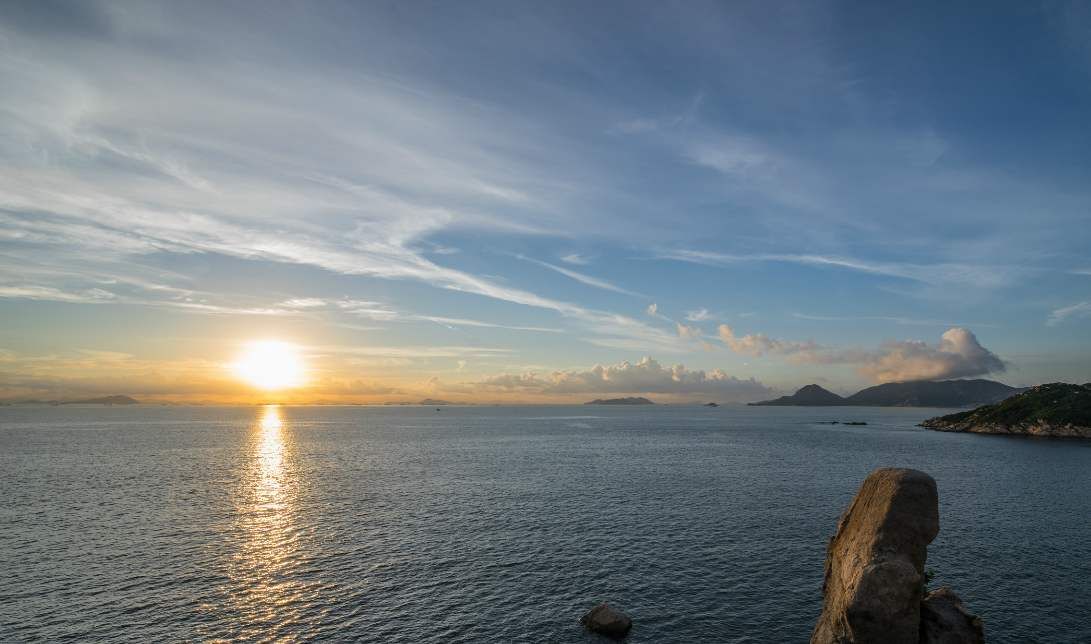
x: 486, y: 524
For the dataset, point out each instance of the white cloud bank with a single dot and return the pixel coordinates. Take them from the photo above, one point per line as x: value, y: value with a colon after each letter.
x: 958, y: 355
x: 647, y: 376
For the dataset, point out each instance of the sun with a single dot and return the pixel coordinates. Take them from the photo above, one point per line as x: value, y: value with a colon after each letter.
x: 270, y: 365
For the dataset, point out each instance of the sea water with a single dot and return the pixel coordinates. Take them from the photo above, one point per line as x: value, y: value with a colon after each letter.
x: 504, y: 524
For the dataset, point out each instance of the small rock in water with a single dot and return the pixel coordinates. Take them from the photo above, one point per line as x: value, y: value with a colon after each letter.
x: 607, y: 620
x: 944, y: 620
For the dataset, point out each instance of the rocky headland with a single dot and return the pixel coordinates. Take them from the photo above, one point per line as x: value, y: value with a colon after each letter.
x: 1057, y: 410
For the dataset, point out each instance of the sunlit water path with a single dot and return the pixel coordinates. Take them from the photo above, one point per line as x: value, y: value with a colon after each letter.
x: 502, y: 524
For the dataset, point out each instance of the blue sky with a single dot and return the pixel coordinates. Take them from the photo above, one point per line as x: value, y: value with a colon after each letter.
x: 488, y: 200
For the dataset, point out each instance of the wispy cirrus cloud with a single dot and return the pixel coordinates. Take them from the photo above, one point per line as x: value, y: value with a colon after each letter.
x: 896, y: 319
x: 581, y: 277
x: 1077, y: 310
x: 939, y: 274
x: 576, y: 258
x: 31, y: 292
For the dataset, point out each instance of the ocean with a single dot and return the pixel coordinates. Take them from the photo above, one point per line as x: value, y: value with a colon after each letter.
x: 504, y: 524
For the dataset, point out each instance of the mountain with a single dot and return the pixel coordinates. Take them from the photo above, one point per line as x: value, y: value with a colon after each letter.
x: 922, y: 393
x: 809, y: 396
x: 942, y: 393
x: 620, y: 401
x: 1054, y: 410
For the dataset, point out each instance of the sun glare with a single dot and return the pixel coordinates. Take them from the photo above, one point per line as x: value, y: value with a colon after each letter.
x: 270, y: 365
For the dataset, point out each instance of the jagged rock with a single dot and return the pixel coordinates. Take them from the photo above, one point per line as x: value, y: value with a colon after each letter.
x: 875, y: 563
x: 945, y: 620
x: 607, y: 620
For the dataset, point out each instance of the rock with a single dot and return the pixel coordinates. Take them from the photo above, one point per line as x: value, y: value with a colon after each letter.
x: 875, y: 563
x: 944, y: 620
x: 607, y: 620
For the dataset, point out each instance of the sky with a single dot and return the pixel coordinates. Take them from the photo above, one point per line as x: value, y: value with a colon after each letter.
x: 542, y: 202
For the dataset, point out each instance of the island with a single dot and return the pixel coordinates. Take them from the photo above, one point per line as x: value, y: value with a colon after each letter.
x: 104, y: 400
x: 621, y: 401
x: 432, y: 402
x: 1056, y: 410
x: 920, y: 393
x: 809, y: 396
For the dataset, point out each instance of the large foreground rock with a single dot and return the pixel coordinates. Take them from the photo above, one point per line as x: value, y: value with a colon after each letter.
x: 875, y: 563
x: 607, y: 620
x: 944, y: 620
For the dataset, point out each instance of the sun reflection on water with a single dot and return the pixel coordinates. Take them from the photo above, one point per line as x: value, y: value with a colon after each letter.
x: 263, y: 586
x: 270, y: 457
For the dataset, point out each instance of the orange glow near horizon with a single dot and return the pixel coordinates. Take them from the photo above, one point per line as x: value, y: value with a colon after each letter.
x: 270, y: 365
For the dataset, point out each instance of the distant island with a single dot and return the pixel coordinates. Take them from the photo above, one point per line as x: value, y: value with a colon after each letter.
x: 104, y: 400
x: 810, y: 396
x: 432, y: 402
x: 620, y: 401
x: 1057, y: 410
x: 942, y: 393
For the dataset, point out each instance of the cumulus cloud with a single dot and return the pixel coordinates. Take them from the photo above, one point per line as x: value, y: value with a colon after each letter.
x: 653, y: 309
x: 1078, y: 310
x: 958, y: 355
x: 644, y: 377
x: 758, y: 344
x: 689, y: 332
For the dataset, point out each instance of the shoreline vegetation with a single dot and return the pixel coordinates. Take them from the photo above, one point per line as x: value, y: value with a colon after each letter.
x: 1055, y: 410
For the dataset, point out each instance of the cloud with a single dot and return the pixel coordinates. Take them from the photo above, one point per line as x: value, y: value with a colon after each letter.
x: 31, y: 292
x: 646, y: 376
x: 901, y: 320
x: 652, y: 310
x: 576, y: 258
x: 758, y: 344
x: 935, y: 274
x: 582, y: 278
x: 303, y: 303
x: 958, y: 355
x: 1077, y: 310
x: 104, y: 173
x: 689, y: 332
x: 381, y: 312
x: 480, y: 323
x: 698, y: 315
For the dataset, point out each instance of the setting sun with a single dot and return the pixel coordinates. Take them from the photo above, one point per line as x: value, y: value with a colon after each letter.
x: 270, y: 364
